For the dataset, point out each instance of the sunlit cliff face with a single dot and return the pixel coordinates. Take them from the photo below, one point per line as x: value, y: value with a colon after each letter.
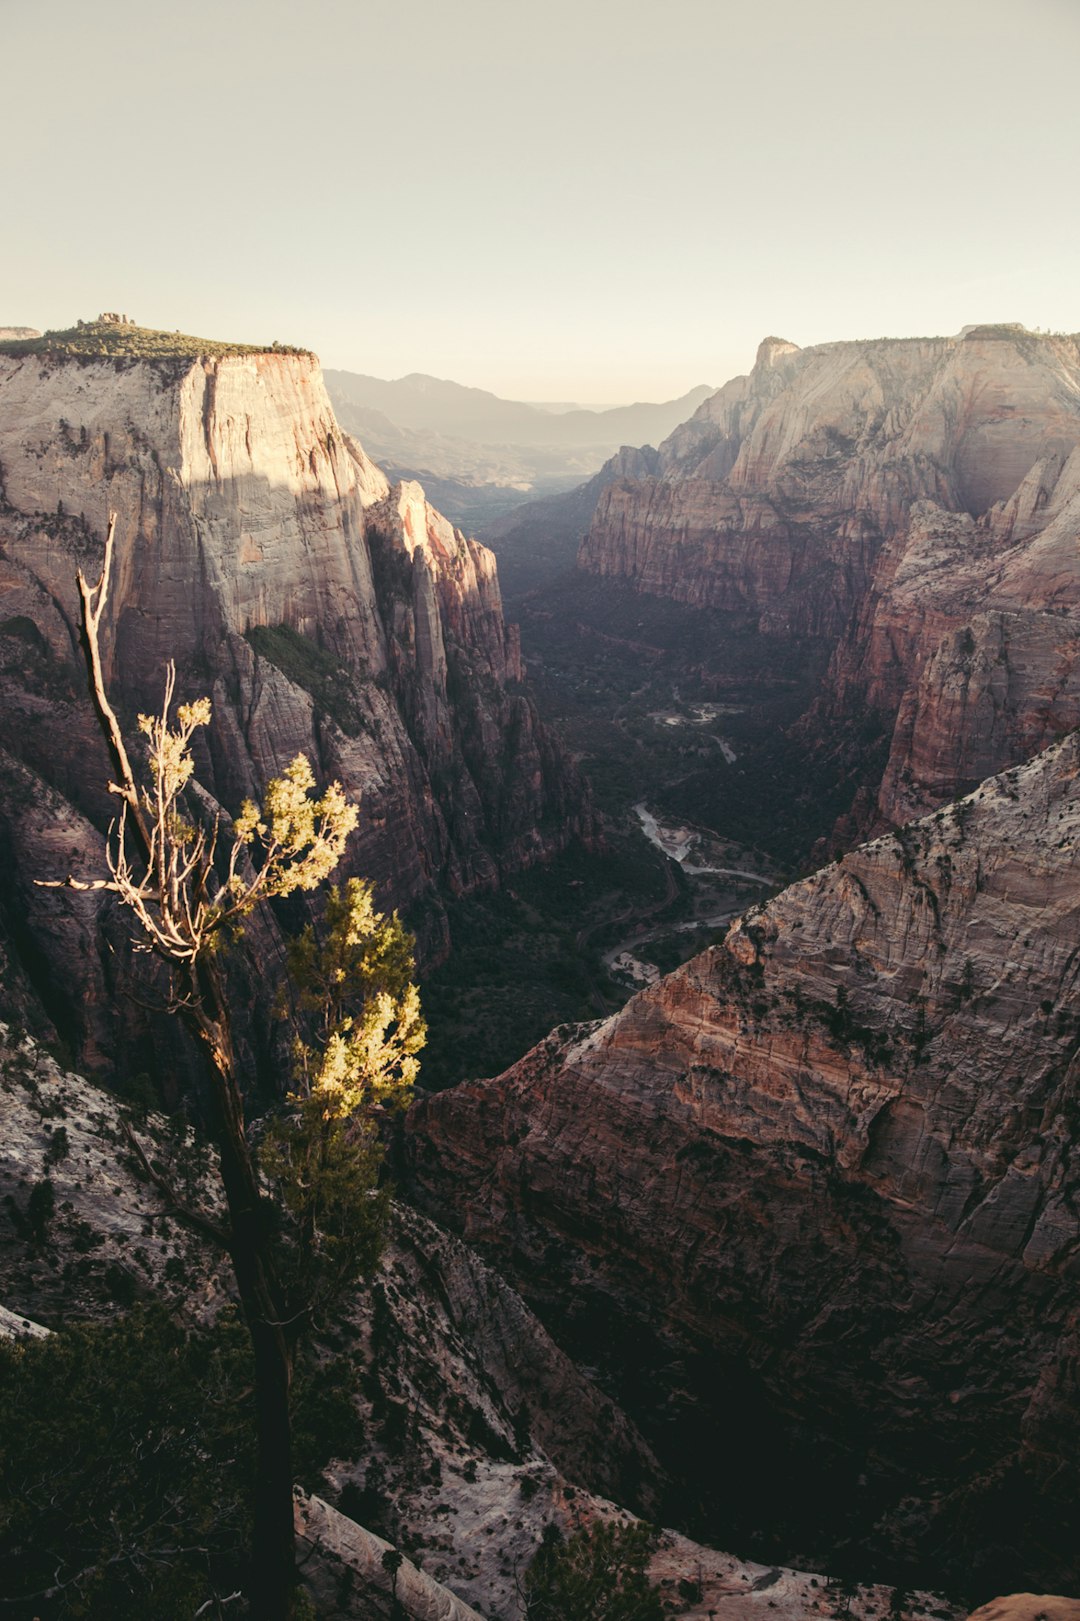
x: 322, y: 613
x: 912, y: 503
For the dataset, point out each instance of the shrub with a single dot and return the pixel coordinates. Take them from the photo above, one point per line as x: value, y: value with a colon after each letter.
x: 594, y: 1575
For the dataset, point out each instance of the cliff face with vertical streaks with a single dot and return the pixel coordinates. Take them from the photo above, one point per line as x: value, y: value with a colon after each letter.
x: 323, y: 612
x: 913, y: 501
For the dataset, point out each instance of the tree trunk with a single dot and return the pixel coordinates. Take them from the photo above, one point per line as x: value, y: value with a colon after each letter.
x: 273, y: 1573
x: 273, y: 1551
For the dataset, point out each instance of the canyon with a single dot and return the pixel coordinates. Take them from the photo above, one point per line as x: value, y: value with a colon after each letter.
x: 323, y: 611
x: 912, y: 504
x: 812, y: 1198
x: 784, y: 1253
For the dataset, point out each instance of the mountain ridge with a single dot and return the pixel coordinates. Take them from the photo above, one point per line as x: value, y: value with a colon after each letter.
x: 883, y: 495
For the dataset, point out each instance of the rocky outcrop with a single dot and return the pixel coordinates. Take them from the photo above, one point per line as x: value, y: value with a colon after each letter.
x: 824, y: 1178
x: 1029, y: 1607
x: 539, y: 541
x: 478, y: 1430
x: 886, y: 496
x: 323, y: 612
x: 342, y: 1570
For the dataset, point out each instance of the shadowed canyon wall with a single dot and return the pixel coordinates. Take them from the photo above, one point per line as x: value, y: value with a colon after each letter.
x: 814, y: 1197
x: 916, y: 502
x: 323, y: 612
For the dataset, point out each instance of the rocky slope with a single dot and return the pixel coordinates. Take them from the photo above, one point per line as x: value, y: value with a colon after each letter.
x: 914, y: 502
x: 813, y: 1198
x: 323, y: 612
x: 478, y: 1429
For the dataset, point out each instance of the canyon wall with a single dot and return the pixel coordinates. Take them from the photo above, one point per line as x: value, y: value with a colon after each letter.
x: 815, y: 1195
x: 914, y: 501
x: 323, y: 612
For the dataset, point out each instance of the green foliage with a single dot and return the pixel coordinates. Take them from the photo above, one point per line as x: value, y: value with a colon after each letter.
x: 114, y: 340
x: 59, y: 1146
x: 311, y: 667
x: 123, y: 1456
x: 39, y: 1209
x: 525, y: 960
x: 594, y: 1575
x: 173, y: 887
x: 126, y: 1452
x: 353, y: 985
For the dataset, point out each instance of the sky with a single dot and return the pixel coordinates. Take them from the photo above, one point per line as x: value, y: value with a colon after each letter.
x: 579, y: 200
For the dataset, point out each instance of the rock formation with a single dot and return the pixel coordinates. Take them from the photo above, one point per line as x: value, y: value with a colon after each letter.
x: 915, y: 502
x: 479, y: 1430
x: 815, y: 1196
x: 323, y: 612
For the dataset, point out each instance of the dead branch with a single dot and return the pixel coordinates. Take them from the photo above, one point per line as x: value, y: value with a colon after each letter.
x: 93, y: 599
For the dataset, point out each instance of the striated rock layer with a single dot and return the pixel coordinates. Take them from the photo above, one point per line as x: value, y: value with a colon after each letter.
x: 323, y: 611
x: 917, y: 502
x: 479, y: 1431
x: 818, y: 1190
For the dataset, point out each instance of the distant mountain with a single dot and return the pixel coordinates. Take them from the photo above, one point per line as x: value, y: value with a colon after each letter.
x: 432, y: 405
x: 482, y: 455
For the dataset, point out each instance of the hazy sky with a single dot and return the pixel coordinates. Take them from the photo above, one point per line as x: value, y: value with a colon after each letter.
x: 579, y: 199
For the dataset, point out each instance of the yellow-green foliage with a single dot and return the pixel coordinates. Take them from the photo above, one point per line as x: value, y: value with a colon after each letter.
x: 354, y: 990
x: 292, y: 841
x: 302, y: 838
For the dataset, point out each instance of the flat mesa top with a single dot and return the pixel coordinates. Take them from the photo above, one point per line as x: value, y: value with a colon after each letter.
x: 123, y: 340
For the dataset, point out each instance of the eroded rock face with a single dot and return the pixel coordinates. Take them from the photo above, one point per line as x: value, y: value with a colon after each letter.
x: 478, y: 1429
x: 888, y: 496
x: 323, y: 613
x: 826, y: 1174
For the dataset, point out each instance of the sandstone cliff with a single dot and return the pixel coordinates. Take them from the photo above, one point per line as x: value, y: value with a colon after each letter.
x: 479, y: 1430
x: 323, y: 612
x: 815, y: 1196
x: 887, y: 496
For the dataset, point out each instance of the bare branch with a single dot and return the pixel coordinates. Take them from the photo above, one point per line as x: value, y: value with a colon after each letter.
x: 93, y: 599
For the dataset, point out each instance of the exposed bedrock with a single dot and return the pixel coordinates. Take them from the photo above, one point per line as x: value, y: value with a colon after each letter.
x: 322, y: 611
x: 888, y: 495
x: 812, y: 1200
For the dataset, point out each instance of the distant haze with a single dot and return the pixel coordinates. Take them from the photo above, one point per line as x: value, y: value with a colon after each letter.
x: 479, y: 456
x: 575, y: 201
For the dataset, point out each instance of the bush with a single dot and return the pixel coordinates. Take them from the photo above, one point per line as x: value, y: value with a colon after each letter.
x: 595, y: 1575
x: 126, y: 1453
x: 116, y: 340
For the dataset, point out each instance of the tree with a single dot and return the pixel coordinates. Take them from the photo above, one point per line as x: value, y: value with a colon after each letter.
x: 189, y: 882
x: 595, y: 1575
x: 125, y: 1454
x: 354, y: 983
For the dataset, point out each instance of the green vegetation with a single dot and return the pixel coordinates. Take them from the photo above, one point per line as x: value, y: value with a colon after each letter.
x: 594, y: 1575
x: 604, y: 661
x: 528, y: 957
x: 125, y: 1455
x: 123, y: 341
x: 187, y: 903
x: 323, y: 1155
x: 310, y: 666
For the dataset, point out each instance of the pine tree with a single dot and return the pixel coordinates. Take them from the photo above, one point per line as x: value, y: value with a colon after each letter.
x: 189, y: 885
